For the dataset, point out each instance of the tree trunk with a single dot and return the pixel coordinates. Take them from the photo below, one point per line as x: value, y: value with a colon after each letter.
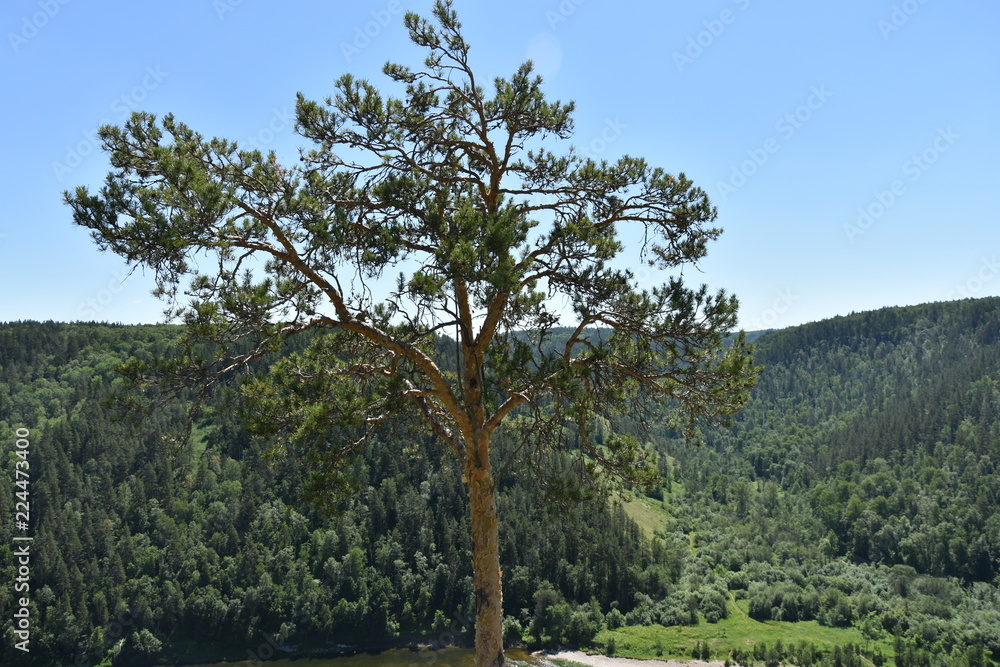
x: 486, y: 573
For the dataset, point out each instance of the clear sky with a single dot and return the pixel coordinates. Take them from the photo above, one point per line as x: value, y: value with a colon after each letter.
x: 851, y: 147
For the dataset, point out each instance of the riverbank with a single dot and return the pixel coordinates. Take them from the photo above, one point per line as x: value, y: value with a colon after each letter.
x: 606, y: 661
x: 459, y: 657
x: 410, y: 657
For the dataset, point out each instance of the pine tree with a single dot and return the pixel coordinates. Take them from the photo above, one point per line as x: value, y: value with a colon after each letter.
x: 456, y: 188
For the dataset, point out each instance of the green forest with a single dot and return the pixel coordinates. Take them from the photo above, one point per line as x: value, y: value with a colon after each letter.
x: 857, y: 490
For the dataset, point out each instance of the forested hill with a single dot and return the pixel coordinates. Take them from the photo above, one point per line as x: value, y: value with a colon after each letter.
x: 858, y: 488
x: 178, y: 541
x: 860, y: 484
x: 895, y: 384
x: 887, y: 421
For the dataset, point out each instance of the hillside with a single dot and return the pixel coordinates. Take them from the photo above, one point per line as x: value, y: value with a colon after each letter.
x: 178, y: 537
x: 851, y: 408
x: 857, y: 493
x: 859, y: 485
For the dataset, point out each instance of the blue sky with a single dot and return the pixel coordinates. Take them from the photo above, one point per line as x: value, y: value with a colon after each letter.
x: 850, y: 147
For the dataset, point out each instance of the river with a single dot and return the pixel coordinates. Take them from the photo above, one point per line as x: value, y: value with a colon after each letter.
x: 446, y: 657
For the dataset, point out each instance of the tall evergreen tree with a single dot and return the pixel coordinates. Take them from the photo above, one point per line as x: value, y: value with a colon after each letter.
x: 491, y: 233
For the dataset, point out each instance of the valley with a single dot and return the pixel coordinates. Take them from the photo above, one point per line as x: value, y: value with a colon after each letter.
x: 847, y: 516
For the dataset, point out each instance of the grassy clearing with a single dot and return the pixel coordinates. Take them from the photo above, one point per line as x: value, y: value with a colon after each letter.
x: 199, y: 442
x: 648, y: 514
x: 737, y: 631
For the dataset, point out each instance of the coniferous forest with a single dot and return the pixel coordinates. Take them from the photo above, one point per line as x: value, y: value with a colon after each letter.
x: 858, y: 489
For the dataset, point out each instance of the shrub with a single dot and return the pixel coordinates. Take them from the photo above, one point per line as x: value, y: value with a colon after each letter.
x: 713, y: 604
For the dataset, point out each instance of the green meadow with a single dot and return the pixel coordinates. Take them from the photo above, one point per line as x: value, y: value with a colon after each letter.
x: 738, y: 631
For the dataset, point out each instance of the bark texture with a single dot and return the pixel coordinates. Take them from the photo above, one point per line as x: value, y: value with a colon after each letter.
x: 486, y: 575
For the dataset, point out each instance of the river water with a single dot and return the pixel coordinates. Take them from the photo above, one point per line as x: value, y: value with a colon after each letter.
x: 447, y: 657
